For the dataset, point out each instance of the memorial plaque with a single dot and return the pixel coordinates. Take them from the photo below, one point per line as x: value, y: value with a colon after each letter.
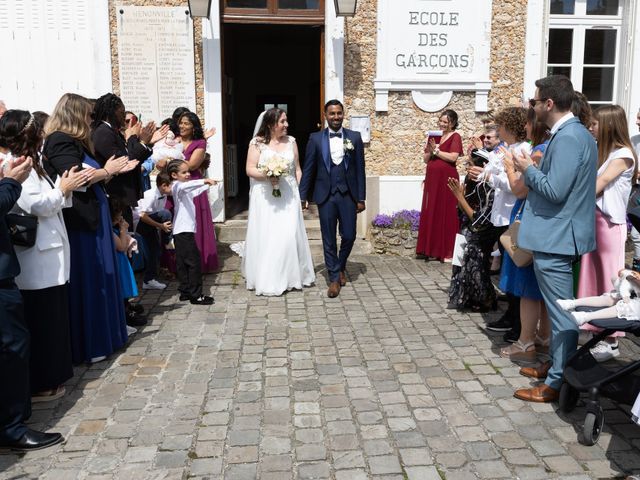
x: 156, y: 60
x: 432, y: 47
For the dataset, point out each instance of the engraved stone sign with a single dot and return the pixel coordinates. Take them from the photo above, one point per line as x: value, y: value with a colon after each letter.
x: 432, y: 47
x: 156, y: 60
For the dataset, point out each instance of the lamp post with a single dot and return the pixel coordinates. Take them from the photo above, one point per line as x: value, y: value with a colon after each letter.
x: 199, y: 8
x: 345, y: 8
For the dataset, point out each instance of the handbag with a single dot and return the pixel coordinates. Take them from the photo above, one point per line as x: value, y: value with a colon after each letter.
x: 509, y: 240
x: 459, y: 248
x: 22, y: 229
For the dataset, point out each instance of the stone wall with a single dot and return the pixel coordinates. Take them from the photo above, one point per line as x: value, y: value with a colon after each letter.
x: 397, y: 136
x: 197, y: 39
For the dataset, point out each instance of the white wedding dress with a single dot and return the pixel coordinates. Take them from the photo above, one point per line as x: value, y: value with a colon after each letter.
x: 276, y: 254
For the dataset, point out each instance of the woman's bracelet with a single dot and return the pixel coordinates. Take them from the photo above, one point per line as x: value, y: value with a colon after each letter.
x: 109, y: 175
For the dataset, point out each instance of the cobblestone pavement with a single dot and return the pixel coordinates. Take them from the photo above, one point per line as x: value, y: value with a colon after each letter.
x: 380, y: 383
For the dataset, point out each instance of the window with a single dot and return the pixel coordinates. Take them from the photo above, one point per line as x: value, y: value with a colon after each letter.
x: 274, y: 11
x: 583, y: 43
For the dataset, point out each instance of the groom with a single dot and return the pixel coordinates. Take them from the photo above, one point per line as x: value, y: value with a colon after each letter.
x: 334, y: 163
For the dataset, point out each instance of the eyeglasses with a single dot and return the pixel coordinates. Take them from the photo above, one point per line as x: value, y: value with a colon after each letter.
x: 533, y: 101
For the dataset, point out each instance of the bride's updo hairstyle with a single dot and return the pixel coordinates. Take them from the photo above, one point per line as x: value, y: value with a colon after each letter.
x: 269, y: 121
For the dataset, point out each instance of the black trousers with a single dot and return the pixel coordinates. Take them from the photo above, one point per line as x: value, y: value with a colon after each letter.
x: 152, y: 240
x: 188, y: 264
x: 15, y: 394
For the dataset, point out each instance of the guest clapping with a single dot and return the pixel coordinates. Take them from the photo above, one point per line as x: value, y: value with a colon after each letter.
x: 44, y: 267
x: 439, y: 217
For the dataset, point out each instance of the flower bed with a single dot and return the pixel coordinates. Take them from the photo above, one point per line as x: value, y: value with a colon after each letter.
x: 395, y: 234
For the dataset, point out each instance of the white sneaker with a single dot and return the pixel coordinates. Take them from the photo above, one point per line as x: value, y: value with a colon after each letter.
x: 98, y: 359
x: 131, y: 330
x: 580, y: 317
x: 153, y: 285
x: 604, y: 351
x: 566, y: 305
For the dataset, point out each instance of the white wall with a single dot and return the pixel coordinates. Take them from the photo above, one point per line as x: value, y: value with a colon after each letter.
x: 400, y: 193
x: 51, y: 48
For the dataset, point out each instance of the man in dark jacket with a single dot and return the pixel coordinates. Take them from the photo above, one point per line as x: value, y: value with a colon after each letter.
x: 15, y: 394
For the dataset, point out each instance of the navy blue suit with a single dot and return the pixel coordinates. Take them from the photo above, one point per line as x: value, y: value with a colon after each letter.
x: 15, y: 396
x: 336, y: 190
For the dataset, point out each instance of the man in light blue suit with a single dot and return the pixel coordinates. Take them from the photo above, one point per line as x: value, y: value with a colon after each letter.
x: 558, y: 222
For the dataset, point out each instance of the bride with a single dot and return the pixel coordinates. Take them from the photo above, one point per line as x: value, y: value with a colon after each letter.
x: 276, y: 251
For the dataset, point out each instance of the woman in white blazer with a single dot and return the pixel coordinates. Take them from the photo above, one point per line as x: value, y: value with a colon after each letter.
x: 44, y: 267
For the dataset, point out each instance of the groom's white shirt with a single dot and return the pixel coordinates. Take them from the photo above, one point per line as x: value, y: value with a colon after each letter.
x: 336, y: 147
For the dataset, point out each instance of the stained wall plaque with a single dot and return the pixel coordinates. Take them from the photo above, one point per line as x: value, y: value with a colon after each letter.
x: 156, y: 60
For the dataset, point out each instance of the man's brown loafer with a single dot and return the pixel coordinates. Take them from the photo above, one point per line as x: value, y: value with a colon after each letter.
x: 343, y: 279
x: 541, y: 394
x: 334, y: 290
x: 539, y: 372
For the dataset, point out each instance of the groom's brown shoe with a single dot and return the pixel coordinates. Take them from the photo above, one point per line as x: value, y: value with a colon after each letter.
x: 536, y: 372
x: 343, y: 279
x: 541, y: 394
x: 334, y: 290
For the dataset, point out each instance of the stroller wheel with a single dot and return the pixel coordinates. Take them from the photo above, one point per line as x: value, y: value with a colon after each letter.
x: 568, y: 398
x: 593, y: 423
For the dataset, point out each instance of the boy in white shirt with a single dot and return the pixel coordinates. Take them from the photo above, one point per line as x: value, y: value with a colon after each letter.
x: 150, y: 219
x: 184, y: 226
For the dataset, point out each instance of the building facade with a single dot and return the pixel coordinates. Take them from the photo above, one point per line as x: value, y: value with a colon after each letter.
x: 396, y: 64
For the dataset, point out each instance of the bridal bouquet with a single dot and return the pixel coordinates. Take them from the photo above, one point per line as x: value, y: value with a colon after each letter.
x: 274, y: 168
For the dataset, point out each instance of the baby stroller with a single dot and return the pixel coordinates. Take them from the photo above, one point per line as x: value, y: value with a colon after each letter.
x: 583, y: 373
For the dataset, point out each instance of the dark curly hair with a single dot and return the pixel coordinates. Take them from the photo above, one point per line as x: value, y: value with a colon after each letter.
x: 580, y: 108
x: 513, y: 120
x: 104, y: 110
x: 21, y: 135
x: 269, y: 121
x: 198, y: 133
x: 178, y: 112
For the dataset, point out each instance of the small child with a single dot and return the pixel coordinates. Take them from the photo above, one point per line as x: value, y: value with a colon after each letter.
x: 184, y: 226
x: 154, y: 219
x: 622, y: 301
x: 125, y: 245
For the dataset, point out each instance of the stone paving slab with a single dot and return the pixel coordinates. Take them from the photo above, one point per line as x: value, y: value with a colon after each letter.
x: 380, y: 383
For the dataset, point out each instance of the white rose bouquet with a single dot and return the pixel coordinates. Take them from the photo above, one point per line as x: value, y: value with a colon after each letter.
x: 274, y: 168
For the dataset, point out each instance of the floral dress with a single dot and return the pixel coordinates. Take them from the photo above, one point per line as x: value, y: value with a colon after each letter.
x: 471, y: 286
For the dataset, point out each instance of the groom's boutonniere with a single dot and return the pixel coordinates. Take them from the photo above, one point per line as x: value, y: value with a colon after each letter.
x: 348, y: 145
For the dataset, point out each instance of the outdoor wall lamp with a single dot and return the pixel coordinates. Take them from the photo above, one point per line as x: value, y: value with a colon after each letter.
x: 345, y: 8
x: 199, y: 8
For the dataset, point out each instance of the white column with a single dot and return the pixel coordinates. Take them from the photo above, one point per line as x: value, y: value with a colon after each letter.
x: 333, y: 53
x: 212, y: 76
x: 534, y: 46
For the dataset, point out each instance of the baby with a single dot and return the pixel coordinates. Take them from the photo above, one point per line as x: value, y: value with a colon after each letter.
x: 622, y: 302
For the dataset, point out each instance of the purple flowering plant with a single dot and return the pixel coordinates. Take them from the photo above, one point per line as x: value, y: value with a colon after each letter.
x: 405, y: 219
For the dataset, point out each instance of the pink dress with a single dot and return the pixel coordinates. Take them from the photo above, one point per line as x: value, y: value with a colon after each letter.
x: 597, y: 268
x: 205, y: 230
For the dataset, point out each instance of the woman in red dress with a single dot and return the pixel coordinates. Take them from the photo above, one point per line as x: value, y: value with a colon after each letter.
x: 439, y: 214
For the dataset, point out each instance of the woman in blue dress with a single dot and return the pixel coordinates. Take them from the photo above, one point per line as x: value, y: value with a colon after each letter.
x: 521, y: 281
x: 97, y: 317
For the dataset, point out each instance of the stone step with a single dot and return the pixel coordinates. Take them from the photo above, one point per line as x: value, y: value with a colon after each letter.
x: 236, y: 230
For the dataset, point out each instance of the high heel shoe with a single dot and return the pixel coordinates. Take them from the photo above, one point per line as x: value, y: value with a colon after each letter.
x: 519, y: 352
